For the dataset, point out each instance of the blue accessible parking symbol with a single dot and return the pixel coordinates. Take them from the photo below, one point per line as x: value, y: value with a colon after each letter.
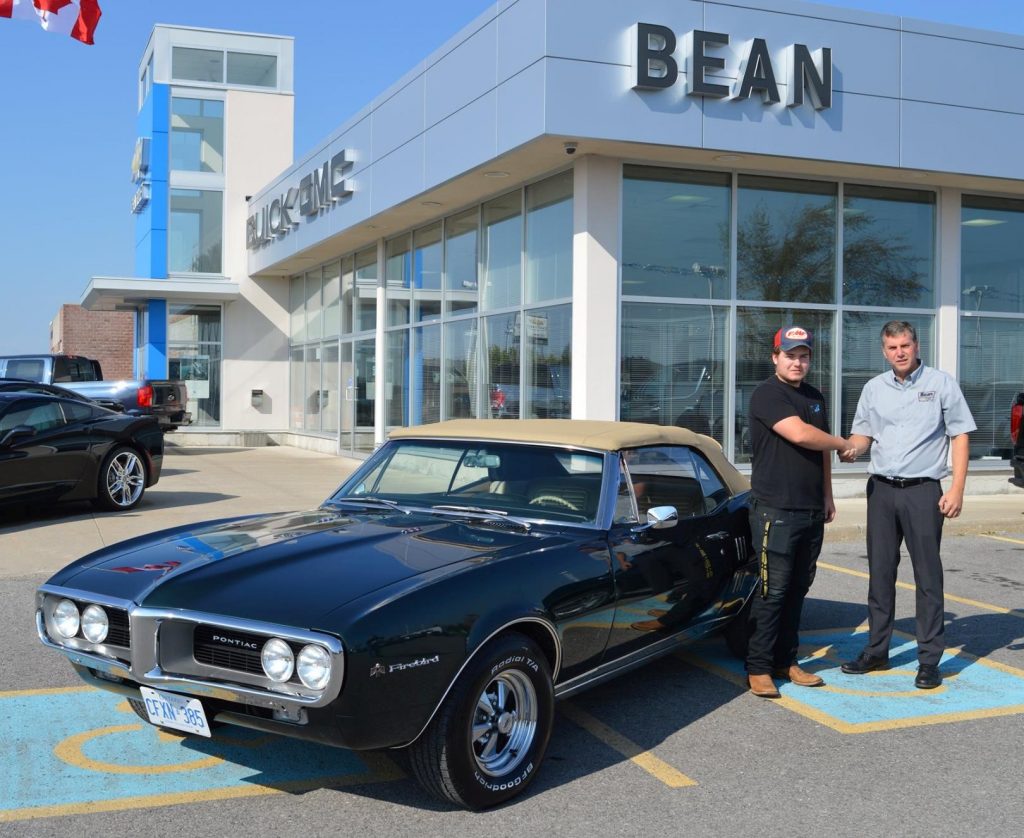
x: 972, y: 688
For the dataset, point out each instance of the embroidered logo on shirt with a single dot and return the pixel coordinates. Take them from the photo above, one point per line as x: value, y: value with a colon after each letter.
x: 926, y: 396
x: 817, y: 408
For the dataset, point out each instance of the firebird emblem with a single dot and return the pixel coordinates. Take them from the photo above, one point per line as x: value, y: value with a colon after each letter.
x: 163, y: 567
x: 377, y: 670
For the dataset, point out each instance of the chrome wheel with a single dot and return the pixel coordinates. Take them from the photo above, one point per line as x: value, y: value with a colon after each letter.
x: 505, y: 723
x: 125, y: 478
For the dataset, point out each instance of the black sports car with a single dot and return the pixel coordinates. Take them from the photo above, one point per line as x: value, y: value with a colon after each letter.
x: 54, y: 448
x: 467, y: 575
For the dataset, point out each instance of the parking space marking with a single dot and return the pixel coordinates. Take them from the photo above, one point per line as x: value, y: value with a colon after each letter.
x: 985, y: 606
x: 1002, y: 538
x: 973, y: 688
x: 654, y: 766
x: 71, y: 752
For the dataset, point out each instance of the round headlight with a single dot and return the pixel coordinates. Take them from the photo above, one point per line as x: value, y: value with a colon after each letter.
x: 95, y: 624
x: 66, y: 618
x: 314, y: 667
x: 278, y: 660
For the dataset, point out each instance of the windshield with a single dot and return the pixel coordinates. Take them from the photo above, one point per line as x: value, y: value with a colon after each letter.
x: 528, y: 481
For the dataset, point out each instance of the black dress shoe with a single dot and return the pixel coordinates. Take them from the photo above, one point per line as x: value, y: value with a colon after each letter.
x: 928, y: 677
x: 864, y: 663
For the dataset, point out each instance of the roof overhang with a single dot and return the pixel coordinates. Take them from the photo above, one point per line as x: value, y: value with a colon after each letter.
x: 108, y: 293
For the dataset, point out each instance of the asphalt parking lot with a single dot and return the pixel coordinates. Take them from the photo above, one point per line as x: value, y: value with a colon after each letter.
x: 678, y: 746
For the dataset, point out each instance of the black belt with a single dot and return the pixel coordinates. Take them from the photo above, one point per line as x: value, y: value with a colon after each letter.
x: 904, y: 482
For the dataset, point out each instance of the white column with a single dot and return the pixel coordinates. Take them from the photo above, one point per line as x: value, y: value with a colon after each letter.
x: 597, y: 203
x: 380, y: 355
x: 947, y: 291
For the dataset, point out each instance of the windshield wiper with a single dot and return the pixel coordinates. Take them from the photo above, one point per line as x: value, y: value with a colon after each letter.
x: 493, y: 515
x: 369, y: 500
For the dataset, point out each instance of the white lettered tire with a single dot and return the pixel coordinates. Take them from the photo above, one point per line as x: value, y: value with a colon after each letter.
x: 487, y: 740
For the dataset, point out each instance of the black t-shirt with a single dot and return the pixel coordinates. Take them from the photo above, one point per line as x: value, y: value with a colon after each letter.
x: 784, y: 474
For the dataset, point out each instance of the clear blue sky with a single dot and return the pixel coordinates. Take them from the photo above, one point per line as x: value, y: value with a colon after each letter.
x: 67, y: 117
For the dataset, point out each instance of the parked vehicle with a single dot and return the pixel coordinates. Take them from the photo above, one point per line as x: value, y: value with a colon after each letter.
x: 19, y: 385
x: 549, y: 396
x: 467, y: 575
x: 55, y: 449
x: 1017, y: 436
x: 167, y: 401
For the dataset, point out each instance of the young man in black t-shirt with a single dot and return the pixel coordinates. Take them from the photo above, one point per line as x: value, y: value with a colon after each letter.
x: 791, y: 483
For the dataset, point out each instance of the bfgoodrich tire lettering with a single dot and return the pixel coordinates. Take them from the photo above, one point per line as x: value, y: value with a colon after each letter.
x: 487, y: 741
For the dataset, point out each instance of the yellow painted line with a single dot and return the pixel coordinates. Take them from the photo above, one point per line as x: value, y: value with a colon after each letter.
x: 1002, y: 538
x: 70, y: 751
x: 47, y: 691
x: 382, y: 769
x: 657, y: 768
x: 985, y: 606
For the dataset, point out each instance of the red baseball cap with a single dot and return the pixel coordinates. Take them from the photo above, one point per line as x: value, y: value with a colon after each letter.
x: 790, y: 337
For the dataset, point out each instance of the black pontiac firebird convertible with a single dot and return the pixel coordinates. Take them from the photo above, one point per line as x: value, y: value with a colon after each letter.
x: 466, y: 576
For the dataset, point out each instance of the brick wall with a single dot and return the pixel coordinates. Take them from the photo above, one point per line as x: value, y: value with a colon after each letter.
x: 107, y: 336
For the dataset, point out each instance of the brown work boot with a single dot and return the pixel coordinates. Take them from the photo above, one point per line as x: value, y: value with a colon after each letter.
x: 799, y: 676
x: 762, y: 686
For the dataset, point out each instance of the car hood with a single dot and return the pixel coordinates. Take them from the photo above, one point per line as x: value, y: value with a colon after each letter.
x: 288, y: 568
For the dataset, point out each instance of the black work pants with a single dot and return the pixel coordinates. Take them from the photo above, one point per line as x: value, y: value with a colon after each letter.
x: 788, y: 542
x: 895, y: 516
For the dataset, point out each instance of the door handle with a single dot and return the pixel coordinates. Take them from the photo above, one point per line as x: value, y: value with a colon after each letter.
x: 721, y: 535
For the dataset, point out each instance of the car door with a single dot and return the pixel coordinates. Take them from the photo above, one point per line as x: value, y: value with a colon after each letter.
x: 50, y: 463
x: 665, y: 579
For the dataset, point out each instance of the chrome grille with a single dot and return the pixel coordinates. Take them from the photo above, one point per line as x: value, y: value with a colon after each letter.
x: 210, y: 652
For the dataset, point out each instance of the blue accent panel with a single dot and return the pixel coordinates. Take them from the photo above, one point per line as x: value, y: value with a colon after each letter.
x: 159, y: 157
x: 143, y: 253
x: 153, y: 121
x: 160, y: 96
x: 156, y: 339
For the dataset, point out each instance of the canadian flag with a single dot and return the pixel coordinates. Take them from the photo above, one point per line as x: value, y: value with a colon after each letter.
x: 77, y: 18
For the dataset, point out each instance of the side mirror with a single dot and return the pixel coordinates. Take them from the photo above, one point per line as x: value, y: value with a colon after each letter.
x: 658, y: 518
x: 16, y: 435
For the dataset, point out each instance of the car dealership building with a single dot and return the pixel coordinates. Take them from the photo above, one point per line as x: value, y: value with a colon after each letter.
x: 601, y: 215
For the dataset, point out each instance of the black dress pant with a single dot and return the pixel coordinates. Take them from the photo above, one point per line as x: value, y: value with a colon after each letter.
x: 788, y: 542
x: 911, y: 515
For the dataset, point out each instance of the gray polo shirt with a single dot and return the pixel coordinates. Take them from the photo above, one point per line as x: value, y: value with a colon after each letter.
x: 911, y: 422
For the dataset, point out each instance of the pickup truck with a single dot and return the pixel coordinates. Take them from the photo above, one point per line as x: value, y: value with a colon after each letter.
x: 1017, y: 435
x: 165, y: 400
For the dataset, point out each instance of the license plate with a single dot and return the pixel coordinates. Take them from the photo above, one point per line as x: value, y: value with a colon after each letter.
x: 175, y: 711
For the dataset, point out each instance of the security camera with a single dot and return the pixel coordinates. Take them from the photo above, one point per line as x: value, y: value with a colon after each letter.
x: 570, y: 148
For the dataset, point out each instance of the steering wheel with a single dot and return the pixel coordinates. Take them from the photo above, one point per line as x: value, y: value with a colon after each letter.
x: 554, y: 500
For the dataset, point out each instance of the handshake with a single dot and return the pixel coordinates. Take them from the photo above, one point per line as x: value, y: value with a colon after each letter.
x: 849, y: 451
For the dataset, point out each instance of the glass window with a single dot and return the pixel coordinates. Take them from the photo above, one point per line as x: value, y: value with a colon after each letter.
x: 427, y: 273
x: 426, y: 374
x: 312, y: 383
x: 673, y: 366
x: 992, y: 254
x: 502, y: 251
x: 197, y: 135
x: 40, y: 416
x: 197, y: 64
x: 398, y: 280
x: 888, y: 247
x: 547, y: 347
x: 194, y: 356
x: 549, y: 239
x: 990, y: 377
x: 365, y: 394
x: 755, y: 330
x: 330, y: 401
x: 297, y: 387
x: 297, y: 307
x: 195, y: 231
x: 253, y: 70
x: 863, y: 358
x: 331, y: 299
x: 396, y: 381
x: 675, y: 233
x: 462, y: 369
x: 460, y: 256
x: 366, y: 290
x: 501, y: 374
x: 786, y: 240
x: 347, y: 294
x: 314, y: 305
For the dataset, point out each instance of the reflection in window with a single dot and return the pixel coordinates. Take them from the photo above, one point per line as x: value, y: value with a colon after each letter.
x: 253, y: 70
x: 194, y: 356
x: 197, y: 135
x: 460, y: 281
x: 990, y: 377
x: 296, y: 395
x: 398, y: 278
x: 197, y: 64
x: 992, y: 260
x: 461, y: 369
x: 314, y: 305
x: 297, y: 307
x: 673, y: 366
x: 331, y: 299
x: 348, y: 281
x: 366, y: 290
x: 330, y: 402
x: 314, y: 399
x: 547, y: 350
x: 888, y: 247
x: 397, y: 379
x: 786, y: 240
x: 502, y: 251
x: 675, y: 233
x: 427, y: 273
x: 755, y: 332
x: 195, y: 231
x: 863, y: 358
x: 500, y: 340
x: 549, y: 239
x: 426, y: 374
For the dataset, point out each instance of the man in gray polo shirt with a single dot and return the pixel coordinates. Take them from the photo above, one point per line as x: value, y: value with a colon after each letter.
x: 908, y: 416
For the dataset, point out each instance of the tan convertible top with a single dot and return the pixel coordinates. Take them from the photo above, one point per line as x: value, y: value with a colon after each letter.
x: 584, y: 433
